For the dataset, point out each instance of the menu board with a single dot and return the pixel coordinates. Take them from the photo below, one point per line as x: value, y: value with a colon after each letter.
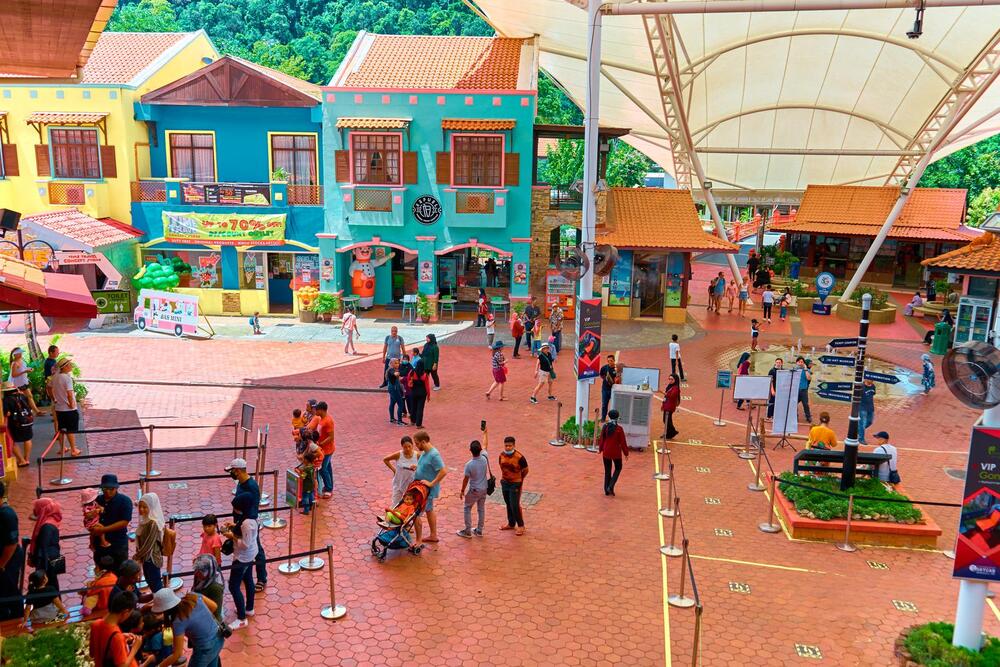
x: 227, y: 194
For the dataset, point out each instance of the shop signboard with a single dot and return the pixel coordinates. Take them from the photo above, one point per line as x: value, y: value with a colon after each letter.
x: 426, y: 210
x: 227, y: 194
x: 977, y: 554
x: 588, y: 347
x: 230, y: 229
x: 620, y: 280
x: 112, y: 301
x: 72, y: 258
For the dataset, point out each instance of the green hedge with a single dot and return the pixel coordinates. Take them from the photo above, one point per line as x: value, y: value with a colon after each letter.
x: 64, y: 646
x: 930, y: 645
x: 818, y: 505
x: 36, y: 374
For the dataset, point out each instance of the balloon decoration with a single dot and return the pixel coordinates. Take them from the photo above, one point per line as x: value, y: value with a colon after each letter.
x: 158, y: 276
x: 307, y: 295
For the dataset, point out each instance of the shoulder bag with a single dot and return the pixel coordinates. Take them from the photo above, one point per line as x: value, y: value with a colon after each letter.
x: 893, y: 473
x: 491, y: 481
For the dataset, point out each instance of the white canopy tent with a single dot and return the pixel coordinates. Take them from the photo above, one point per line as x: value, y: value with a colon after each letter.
x: 774, y: 101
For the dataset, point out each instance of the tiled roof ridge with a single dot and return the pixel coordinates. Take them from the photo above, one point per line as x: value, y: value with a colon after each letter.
x: 977, y: 244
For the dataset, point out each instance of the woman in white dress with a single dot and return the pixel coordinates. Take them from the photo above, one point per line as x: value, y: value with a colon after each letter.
x: 402, y: 464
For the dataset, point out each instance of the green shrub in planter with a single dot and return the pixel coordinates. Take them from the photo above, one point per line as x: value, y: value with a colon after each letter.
x: 930, y: 645
x: 65, y: 646
x: 819, y: 505
x: 424, y: 311
x: 880, y: 299
x: 325, y: 304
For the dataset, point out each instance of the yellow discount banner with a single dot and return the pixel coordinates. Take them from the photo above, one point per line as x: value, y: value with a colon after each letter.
x: 224, y: 228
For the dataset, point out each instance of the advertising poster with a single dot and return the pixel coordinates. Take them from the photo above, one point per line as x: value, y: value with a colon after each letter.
x: 520, y: 273
x: 230, y: 229
x: 786, y: 392
x: 426, y: 271
x: 235, y: 194
x: 620, y: 280
x: 326, y: 272
x: 588, y: 348
x: 208, y: 274
x: 977, y: 551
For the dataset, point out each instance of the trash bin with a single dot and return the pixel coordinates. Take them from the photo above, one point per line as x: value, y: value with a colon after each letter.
x: 794, y: 270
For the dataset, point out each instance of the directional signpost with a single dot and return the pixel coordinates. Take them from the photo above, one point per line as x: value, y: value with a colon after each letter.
x: 843, y: 342
x: 836, y: 386
x: 834, y: 360
x: 835, y: 395
x: 881, y: 377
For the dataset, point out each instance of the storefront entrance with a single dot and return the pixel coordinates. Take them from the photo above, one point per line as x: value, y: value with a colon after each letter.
x: 650, y: 271
x: 280, y: 272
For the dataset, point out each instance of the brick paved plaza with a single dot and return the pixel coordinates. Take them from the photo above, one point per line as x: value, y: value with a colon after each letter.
x: 586, y: 584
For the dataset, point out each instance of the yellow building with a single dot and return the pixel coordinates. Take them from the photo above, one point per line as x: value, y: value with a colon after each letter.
x: 71, y: 143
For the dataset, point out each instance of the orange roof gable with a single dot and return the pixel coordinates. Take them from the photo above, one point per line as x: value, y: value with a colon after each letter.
x: 119, y: 57
x: 982, y: 254
x: 929, y: 213
x: 431, y: 62
x: 657, y: 218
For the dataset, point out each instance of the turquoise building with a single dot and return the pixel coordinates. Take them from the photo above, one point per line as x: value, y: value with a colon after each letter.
x: 427, y: 143
x: 231, y: 183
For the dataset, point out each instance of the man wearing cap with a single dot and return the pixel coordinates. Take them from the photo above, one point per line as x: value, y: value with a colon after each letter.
x: 543, y: 372
x: 886, y: 470
x: 64, y: 402
x: 116, y: 513
x: 237, y: 469
x: 11, y: 560
x: 867, y: 413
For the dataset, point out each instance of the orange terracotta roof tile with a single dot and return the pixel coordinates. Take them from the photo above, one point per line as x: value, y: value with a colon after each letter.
x: 929, y: 213
x: 372, y: 123
x: 50, y: 117
x: 982, y: 254
x: 446, y: 63
x: 119, y: 57
x: 477, y: 124
x: 82, y: 228
x: 657, y: 218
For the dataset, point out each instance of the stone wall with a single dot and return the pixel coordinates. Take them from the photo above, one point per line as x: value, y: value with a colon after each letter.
x: 543, y: 221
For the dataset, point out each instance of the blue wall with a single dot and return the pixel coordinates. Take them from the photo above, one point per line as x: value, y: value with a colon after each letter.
x: 241, y: 143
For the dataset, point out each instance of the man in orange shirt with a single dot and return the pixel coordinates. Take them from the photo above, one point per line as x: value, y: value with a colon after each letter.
x: 322, y: 423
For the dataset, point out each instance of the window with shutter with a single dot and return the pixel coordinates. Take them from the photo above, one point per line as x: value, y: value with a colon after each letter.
x: 443, y: 170
x: 343, y: 166
x: 109, y: 164
x: 9, y: 153
x: 409, y: 168
x: 42, y: 160
x: 376, y: 158
x: 75, y: 153
x: 478, y: 160
x: 512, y: 169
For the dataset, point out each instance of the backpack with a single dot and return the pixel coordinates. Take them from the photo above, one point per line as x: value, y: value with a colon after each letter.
x: 169, y: 544
x: 251, y: 321
x: 20, y: 412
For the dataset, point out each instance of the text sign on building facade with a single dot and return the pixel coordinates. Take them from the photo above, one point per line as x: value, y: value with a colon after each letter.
x: 977, y: 549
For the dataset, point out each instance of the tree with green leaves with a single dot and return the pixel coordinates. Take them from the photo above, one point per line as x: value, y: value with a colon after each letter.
x: 564, y: 164
x: 982, y: 206
x: 627, y: 167
x: 145, y: 16
x: 975, y: 168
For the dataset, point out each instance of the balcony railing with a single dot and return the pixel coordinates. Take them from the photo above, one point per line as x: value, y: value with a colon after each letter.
x: 67, y: 194
x: 305, y: 195
x: 474, y: 202
x: 154, y: 191
x: 565, y: 200
x: 372, y: 200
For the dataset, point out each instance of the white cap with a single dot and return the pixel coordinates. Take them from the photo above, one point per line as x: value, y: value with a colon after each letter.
x: 237, y: 463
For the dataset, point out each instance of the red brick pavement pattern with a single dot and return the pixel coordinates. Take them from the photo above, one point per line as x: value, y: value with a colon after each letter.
x: 583, y: 585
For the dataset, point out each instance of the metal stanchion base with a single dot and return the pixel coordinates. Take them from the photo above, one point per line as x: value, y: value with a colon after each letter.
x: 662, y: 476
x: 667, y: 511
x: 719, y: 422
x: 265, y: 500
x: 949, y: 554
x: 311, y: 563
x: 756, y: 487
x: 847, y: 546
x: 662, y: 450
x: 769, y: 528
x: 671, y: 550
x: 333, y: 613
x: 273, y: 522
x: 289, y: 568
x: 60, y: 481
x: 678, y: 601
x: 747, y: 455
x: 579, y: 446
x: 593, y: 449
x: 151, y: 473
x: 176, y: 583
x: 557, y: 443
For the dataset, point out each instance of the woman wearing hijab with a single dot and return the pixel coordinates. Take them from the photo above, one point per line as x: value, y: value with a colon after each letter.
x: 742, y: 368
x: 149, y: 540
x: 927, y: 378
x: 43, y: 552
x: 671, y: 401
x: 208, y: 581
x: 419, y: 382
x: 431, y: 356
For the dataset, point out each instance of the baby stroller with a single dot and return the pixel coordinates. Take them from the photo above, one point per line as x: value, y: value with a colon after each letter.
x: 396, y: 535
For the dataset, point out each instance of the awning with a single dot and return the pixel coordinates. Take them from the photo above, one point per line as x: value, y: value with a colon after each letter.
x: 474, y: 124
x: 75, y: 117
x: 25, y: 287
x: 77, y: 226
x: 373, y: 123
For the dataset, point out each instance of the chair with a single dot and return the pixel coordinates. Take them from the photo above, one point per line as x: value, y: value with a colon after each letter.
x: 410, y: 304
x: 448, y: 303
x: 500, y: 304
x: 351, y: 303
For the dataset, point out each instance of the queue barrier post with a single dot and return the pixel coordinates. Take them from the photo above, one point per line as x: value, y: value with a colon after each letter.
x: 770, y: 526
x: 681, y: 600
x: 290, y: 566
x: 671, y: 549
x: 557, y: 440
x: 752, y: 439
x: 847, y: 546
x: 662, y: 447
x: 261, y: 462
x: 171, y: 581
x: 334, y: 611
x: 696, y: 648
x: 236, y: 438
x: 579, y: 431
x: 150, y: 470
x: 62, y: 479
x: 756, y: 485
x: 669, y: 511
x: 310, y: 562
x: 662, y: 473
x: 592, y: 447
x: 275, y: 521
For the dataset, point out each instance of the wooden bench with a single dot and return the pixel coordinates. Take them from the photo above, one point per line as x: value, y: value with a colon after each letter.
x: 810, y: 460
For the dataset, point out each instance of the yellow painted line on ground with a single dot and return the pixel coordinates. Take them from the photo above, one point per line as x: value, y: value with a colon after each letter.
x: 663, y: 567
x: 772, y: 566
x: 996, y: 612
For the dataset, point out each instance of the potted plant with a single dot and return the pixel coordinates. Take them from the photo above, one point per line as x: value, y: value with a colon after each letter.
x: 325, y: 305
x: 519, y: 307
x: 279, y: 175
x: 423, y: 308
